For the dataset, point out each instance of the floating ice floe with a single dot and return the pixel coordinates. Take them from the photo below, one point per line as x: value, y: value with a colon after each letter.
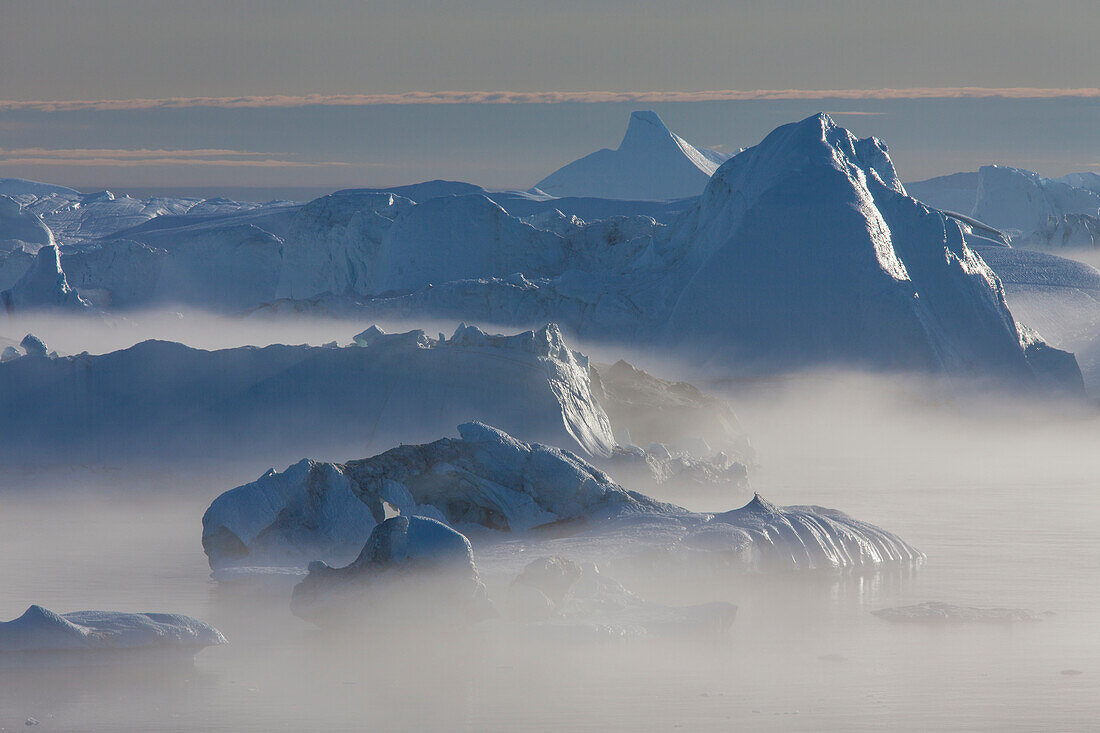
x: 933, y: 612
x: 42, y: 630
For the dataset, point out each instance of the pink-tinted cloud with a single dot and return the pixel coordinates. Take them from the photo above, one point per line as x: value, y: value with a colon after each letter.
x: 133, y: 153
x: 126, y: 158
x: 504, y: 97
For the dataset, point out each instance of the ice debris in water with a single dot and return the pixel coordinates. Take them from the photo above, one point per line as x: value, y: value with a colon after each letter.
x: 934, y: 612
x: 40, y: 629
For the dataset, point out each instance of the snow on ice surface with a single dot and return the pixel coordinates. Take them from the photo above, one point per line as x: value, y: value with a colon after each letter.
x: 74, y: 218
x: 42, y: 630
x: 652, y: 162
x: 167, y: 401
x: 18, y: 226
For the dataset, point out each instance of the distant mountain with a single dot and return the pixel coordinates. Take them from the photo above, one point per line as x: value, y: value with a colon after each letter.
x: 652, y: 162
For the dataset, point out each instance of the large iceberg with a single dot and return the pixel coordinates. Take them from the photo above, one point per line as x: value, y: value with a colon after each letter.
x: 484, y: 479
x: 386, y: 389
x: 1032, y: 210
x: 490, y: 485
x: 803, y: 250
x: 651, y: 162
x: 42, y: 630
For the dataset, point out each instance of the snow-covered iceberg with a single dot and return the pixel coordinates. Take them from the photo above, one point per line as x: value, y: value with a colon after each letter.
x: 410, y: 568
x: 651, y: 162
x: 42, y: 630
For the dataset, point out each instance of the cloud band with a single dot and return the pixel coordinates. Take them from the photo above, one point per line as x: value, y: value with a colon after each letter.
x: 365, y: 100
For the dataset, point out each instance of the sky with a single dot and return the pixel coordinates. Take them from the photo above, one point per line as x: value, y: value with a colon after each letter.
x: 156, y: 94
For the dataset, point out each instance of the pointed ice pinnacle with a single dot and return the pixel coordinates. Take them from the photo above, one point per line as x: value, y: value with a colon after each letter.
x: 651, y: 163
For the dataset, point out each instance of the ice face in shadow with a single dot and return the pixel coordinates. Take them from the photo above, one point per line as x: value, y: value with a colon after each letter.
x: 167, y: 401
x: 42, y: 287
x: 42, y: 630
x: 410, y: 566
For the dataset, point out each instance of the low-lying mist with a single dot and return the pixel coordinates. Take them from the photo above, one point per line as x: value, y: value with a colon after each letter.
x: 998, y: 492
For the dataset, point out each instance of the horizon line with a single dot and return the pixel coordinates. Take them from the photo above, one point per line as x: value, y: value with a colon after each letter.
x: 277, y: 101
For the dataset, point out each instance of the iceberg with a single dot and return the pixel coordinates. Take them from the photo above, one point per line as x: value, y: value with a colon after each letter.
x: 239, y: 401
x: 651, y: 162
x: 1032, y: 210
x: 305, y: 513
x: 42, y: 630
x: 409, y: 567
x: 43, y: 287
x: 484, y: 479
x: 21, y: 227
x: 490, y: 486
x: 804, y: 250
x: 770, y: 538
